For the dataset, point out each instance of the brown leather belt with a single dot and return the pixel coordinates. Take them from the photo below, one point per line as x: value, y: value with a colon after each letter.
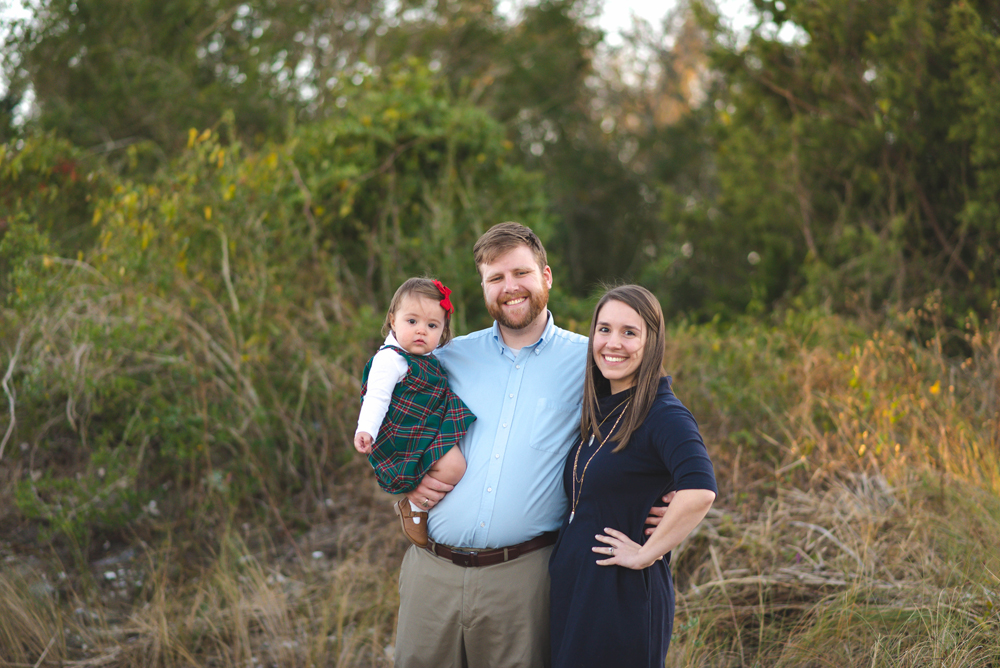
x: 474, y: 558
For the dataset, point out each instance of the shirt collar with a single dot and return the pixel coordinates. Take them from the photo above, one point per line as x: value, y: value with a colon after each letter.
x: 542, y: 341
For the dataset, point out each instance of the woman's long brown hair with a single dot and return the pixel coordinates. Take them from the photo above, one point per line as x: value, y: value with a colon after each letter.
x: 647, y: 382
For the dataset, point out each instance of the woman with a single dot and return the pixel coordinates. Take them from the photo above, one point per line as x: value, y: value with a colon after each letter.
x: 612, y: 595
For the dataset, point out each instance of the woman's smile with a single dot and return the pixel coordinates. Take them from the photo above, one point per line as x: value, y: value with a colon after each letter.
x: 619, y: 338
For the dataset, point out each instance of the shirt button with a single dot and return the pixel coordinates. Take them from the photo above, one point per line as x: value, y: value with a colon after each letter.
x: 512, y: 396
x: 517, y: 366
x: 504, y: 425
x: 482, y: 524
x: 489, y: 489
x: 497, y: 455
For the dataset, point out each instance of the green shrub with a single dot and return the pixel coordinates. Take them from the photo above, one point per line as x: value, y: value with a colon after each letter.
x: 204, y: 352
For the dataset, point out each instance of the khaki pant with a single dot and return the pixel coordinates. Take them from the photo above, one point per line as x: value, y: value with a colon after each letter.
x: 488, y: 617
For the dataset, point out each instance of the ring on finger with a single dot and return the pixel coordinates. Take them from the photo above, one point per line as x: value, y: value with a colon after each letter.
x: 424, y: 502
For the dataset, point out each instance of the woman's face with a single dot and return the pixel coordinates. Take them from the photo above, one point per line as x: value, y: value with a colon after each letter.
x: 619, y: 339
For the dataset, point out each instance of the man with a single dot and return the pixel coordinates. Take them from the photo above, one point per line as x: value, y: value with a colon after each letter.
x: 479, y: 596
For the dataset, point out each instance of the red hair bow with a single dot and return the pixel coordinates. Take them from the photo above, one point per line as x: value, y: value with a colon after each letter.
x: 445, y: 302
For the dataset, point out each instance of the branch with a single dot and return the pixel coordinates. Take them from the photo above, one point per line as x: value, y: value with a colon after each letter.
x: 225, y: 273
x: 795, y: 102
x: 218, y: 22
x: 925, y: 204
x: 307, y: 204
x: 832, y: 538
x: 11, y: 394
x: 387, y: 164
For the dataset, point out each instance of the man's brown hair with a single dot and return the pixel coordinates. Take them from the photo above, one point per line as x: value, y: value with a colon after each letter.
x: 503, y: 238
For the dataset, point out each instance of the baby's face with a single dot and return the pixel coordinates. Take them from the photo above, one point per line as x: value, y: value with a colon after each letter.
x: 418, y: 324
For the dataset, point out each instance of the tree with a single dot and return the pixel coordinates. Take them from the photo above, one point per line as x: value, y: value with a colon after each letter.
x: 110, y: 73
x: 857, y: 158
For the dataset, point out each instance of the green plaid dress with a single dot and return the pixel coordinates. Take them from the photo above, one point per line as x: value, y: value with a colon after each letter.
x: 425, y: 419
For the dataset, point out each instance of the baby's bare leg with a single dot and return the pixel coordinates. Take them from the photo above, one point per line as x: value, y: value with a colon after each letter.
x: 450, y: 468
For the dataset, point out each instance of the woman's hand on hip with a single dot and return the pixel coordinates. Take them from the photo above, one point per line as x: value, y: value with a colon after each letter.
x: 621, y: 550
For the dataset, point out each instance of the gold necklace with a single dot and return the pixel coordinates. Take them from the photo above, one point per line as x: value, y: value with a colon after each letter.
x: 576, y: 460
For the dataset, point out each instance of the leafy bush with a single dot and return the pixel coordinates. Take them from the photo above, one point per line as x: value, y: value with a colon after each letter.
x: 203, y: 354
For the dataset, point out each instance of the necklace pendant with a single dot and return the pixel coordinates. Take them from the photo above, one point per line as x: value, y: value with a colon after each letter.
x: 571, y: 516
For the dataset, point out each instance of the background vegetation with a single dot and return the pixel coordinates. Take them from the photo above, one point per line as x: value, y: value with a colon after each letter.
x: 208, y: 205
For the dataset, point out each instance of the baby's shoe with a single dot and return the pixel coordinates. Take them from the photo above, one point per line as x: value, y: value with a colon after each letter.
x: 414, y: 522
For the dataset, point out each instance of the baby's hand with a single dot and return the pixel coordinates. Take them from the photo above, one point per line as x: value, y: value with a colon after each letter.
x: 363, y: 442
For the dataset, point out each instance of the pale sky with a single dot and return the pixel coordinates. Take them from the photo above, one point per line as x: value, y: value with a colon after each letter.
x: 617, y: 14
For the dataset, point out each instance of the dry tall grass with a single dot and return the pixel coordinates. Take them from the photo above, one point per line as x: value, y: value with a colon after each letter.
x: 327, y: 599
x: 860, y: 514
x: 857, y: 525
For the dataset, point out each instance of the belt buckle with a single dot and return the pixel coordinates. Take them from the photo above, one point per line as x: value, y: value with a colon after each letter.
x: 464, y: 558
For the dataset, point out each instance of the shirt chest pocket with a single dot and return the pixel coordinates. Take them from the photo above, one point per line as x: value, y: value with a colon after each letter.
x: 555, y: 426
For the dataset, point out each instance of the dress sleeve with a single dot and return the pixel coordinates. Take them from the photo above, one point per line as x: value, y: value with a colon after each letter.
x: 388, y: 368
x: 678, y: 441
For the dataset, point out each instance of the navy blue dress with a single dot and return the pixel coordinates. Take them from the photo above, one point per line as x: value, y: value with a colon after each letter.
x: 611, y: 615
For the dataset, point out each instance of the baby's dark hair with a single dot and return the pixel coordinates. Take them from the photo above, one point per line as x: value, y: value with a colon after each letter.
x: 421, y: 287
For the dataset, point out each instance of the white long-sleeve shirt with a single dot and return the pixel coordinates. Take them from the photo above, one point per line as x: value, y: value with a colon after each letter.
x: 388, y: 368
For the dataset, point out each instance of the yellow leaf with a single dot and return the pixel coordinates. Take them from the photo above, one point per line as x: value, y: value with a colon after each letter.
x: 205, y: 135
x: 47, y: 262
x: 192, y: 135
x: 222, y: 158
x: 97, y: 216
x: 936, y: 387
x: 208, y: 213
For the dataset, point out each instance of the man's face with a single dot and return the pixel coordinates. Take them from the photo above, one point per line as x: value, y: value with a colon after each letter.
x: 515, y: 288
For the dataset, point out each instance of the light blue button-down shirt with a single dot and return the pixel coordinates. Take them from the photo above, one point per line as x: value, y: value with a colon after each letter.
x: 527, y: 419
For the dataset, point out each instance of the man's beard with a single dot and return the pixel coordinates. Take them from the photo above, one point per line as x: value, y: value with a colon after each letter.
x: 536, y: 304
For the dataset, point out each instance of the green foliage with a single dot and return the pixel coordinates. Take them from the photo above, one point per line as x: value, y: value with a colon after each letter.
x: 114, y: 73
x: 855, y: 158
x: 204, y: 351
x: 46, y: 185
